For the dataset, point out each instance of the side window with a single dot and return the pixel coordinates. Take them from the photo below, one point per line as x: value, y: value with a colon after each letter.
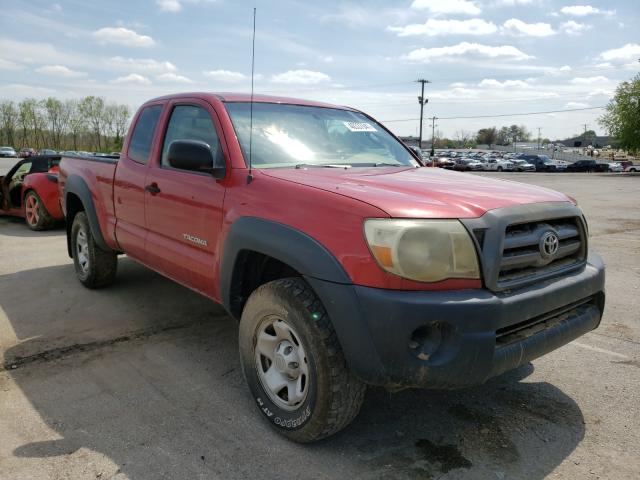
x: 140, y: 146
x: 189, y: 122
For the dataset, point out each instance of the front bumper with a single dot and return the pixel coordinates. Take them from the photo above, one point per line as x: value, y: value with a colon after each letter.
x: 452, y: 339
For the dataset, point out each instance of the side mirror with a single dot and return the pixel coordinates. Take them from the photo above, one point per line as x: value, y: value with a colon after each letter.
x: 194, y: 155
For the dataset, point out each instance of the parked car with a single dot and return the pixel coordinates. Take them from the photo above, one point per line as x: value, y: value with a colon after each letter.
x: 632, y: 168
x: 26, y: 152
x: 445, y: 163
x: 520, y: 165
x: 543, y: 163
x: 497, y: 164
x: 587, y: 166
x: 615, y: 167
x: 7, y: 152
x: 30, y: 191
x: 47, y: 151
x: 467, y: 164
x: 346, y: 263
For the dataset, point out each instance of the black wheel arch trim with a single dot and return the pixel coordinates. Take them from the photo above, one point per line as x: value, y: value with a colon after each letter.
x: 77, y: 186
x: 293, y: 247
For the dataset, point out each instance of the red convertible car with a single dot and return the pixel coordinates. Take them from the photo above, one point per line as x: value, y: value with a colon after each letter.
x: 30, y: 190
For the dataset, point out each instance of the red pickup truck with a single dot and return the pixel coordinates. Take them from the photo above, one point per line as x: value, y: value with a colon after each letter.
x: 345, y: 261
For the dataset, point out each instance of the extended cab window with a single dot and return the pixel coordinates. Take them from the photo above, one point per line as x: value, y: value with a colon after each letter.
x: 189, y: 122
x: 140, y: 146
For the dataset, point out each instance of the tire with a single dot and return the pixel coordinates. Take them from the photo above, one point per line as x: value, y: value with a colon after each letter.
x: 94, y: 267
x: 499, y: 169
x: 632, y: 170
x: 35, y: 214
x: 287, y: 313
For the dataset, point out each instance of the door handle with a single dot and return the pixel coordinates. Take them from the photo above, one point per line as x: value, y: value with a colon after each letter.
x: 153, y: 188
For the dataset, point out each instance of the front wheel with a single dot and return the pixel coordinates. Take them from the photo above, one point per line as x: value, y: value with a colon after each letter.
x: 293, y: 363
x: 35, y: 213
x: 94, y: 267
x: 499, y: 169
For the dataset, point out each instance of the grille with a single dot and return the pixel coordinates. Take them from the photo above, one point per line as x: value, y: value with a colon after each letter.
x: 522, y: 258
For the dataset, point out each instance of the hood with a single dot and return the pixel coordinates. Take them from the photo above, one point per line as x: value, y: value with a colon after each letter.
x: 420, y: 192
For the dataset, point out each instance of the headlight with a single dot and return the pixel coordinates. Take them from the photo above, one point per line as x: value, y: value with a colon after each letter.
x: 422, y: 250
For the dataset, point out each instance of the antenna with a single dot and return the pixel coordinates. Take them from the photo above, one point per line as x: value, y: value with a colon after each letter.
x: 253, y: 57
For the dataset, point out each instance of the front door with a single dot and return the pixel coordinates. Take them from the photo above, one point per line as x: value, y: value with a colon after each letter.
x: 184, y: 208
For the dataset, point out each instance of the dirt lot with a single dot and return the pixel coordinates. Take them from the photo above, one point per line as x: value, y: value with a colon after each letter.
x: 142, y: 381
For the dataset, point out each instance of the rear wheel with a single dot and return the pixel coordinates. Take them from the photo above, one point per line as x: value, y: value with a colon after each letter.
x: 293, y: 363
x: 35, y: 213
x: 499, y: 169
x: 94, y: 267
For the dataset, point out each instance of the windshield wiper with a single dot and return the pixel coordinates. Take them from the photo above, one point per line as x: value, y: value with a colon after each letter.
x: 323, y: 165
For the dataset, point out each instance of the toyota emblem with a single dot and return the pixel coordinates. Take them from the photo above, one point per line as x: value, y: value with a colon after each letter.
x: 549, y: 244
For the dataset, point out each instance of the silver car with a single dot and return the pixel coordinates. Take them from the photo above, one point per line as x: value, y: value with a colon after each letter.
x: 7, y: 152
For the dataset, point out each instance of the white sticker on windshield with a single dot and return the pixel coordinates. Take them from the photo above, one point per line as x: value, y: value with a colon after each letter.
x: 359, y: 127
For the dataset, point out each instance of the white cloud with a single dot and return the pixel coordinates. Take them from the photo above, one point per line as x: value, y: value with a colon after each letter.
x: 133, y: 78
x: 584, y: 10
x: 9, y: 65
x: 148, y: 65
x: 565, y: 68
x: 327, y: 59
x: 433, y: 27
x: 574, y: 28
x: 589, y: 80
x: 300, y: 77
x: 226, y: 76
x: 466, y: 50
x: 174, y: 78
x: 517, y: 27
x: 123, y: 36
x: 169, y: 5
x: 511, y: 3
x: 576, y: 105
x: 630, y: 51
x: 59, y: 71
x: 447, y: 6
x: 56, y: 7
x: 493, y: 83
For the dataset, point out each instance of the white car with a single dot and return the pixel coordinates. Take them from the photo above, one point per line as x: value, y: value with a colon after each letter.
x: 497, y: 165
x: 615, y: 167
x: 523, y: 166
x: 7, y: 152
x: 632, y: 168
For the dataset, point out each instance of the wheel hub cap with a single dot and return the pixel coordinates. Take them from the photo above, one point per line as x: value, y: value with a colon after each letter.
x: 281, y: 364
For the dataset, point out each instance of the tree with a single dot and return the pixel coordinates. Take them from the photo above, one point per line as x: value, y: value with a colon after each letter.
x: 92, y: 108
x: 57, y: 118
x: 487, y: 136
x: 622, y: 119
x: 503, y: 136
x: 8, y: 122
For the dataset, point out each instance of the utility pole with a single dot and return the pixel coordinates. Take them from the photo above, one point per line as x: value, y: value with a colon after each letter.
x: 584, y: 147
x: 539, y: 146
x: 422, y: 101
x: 433, y: 135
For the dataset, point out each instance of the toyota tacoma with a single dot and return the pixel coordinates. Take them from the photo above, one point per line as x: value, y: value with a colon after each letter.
x: 346, y: 262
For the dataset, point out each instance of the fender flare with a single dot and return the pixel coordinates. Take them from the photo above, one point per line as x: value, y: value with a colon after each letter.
x: 288, y: 245
x: 76, y: 185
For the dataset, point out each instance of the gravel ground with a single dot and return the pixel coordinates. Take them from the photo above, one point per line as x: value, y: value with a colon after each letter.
x: 142, y: 381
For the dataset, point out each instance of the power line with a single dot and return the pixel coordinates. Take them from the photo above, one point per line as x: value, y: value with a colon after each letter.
x: 494, y: 116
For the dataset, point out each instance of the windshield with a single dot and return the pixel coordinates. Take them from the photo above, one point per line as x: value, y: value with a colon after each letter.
x: 289, y: 135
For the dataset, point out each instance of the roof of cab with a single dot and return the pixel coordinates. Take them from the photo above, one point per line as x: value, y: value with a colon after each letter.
x: 246, y: 97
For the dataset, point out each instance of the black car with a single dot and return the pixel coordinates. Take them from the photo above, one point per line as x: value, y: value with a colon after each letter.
x: 541, y: 162
x: 587, y: 166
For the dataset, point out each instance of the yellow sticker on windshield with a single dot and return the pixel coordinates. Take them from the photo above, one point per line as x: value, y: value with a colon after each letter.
x: 359, y: 127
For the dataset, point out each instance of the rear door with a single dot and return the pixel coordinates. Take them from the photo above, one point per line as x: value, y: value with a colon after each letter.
x: 184, y: 208
x: 129, y: 182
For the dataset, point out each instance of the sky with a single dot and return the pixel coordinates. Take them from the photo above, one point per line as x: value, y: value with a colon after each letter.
x: 483, y: 57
